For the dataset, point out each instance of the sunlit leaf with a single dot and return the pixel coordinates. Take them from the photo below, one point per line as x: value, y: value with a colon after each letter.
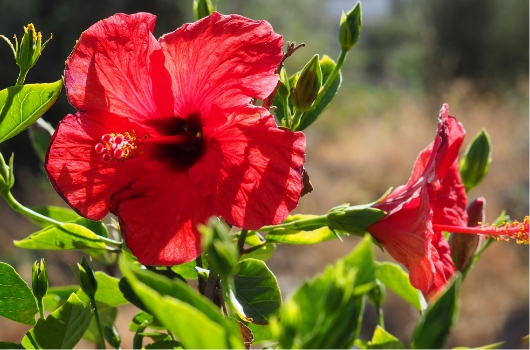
x: 60, y: 214
x: 317, y: 235
x: 434, y: 325
x: 57, y: 296
x: 68, y: 236
x: 384, y: 340
x: 21, y: 106
x: 397, y: 280
x: 195, y: 321
x: 17, y: 302
x: 164, y: 344
x: 324, y: 312
x: 62, y: 329
x: 186, y: 270
x: 256, y: 296
x: 362, y: 259
x: 108, y: 292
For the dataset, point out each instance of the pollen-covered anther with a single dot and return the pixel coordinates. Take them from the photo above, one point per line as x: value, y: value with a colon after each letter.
x: 515, y: 230
x: 118, y: 146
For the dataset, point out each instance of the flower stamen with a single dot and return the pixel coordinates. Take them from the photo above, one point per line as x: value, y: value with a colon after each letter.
x: 504, y: 232
x: 118, y: 146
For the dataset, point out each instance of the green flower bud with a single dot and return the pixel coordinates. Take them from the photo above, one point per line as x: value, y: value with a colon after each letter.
x: 7, y: 179
x: 353, y: 220
x: 86, y: 278
x: 28, y: 52
x: 111, y: 334
x: 202, y: 8
x: 222, y: 251
x: 350, y: 27
x: 377, y: 294
x: 475, y: 163
x: 39, y: 279
x: 305, y: 89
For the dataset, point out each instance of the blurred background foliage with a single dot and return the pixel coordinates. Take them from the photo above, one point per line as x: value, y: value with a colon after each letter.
x: 412, y: 57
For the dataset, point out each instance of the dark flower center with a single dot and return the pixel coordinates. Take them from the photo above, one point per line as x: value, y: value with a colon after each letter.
x: 181, y: 143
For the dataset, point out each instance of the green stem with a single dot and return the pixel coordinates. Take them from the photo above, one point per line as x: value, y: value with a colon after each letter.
x: 241, y: 240
x: 98, y: 322
x: 298, y: 224
x: 296, y: 120
x: 21, y: 77
x: 41, y: 307
x: 256, y: 247
x: 19, y: 208
x: 380, y: 318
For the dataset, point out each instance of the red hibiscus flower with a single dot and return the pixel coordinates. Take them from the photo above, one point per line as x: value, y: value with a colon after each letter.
x: 433, y: 192
x: 433, y: 200
x: 165, y: 135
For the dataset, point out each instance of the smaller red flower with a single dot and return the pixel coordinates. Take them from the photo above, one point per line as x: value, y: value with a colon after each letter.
x: 433, y: 192
x: 433, y: 201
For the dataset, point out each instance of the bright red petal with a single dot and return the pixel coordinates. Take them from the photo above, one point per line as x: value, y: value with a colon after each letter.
x: 449, y: 200
x: 452, y: 135
x: 251, y: 172
x: 159, y: 215
x: 221, y: 60
x: 441, y: 257
x: 118, y: 66
x: 77, y: 172
x: 406, y: 233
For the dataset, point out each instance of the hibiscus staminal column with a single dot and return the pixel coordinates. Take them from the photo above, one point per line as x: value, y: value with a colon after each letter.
x: 515, y: 230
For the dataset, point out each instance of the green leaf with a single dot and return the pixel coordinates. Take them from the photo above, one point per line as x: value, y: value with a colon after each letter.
x: 108, y: 291
x: 62, y: 329
x: 433, y: 327
x: 257, y: 296
x: 142, y: 316
x: 164, y: 344
x: 60, y: 214
x: 324, y: 312
x: 263, y: 253
x: 40, y: 135
x: 301, y: 237
x: 68, y: 236
x: 9, y: 345
x: 57, y: 296
x: 195, y: 320
x: 362, y: 259
x: 186, y: 270
x: 17, y: 302
x: 397, y: 280
x: 262, y: 333
x: 327, y: 65
x: 22, y: 105
x: 384, y: 340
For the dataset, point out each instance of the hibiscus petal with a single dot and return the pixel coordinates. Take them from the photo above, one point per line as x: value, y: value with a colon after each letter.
x: 441, y: 257
x: 406, y: 234
x: 251, y: 172
x: 159, y: 215
x: 449, y: 200
x: 77, y: 172
x: 118, y: 66
x: 221, y: 60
